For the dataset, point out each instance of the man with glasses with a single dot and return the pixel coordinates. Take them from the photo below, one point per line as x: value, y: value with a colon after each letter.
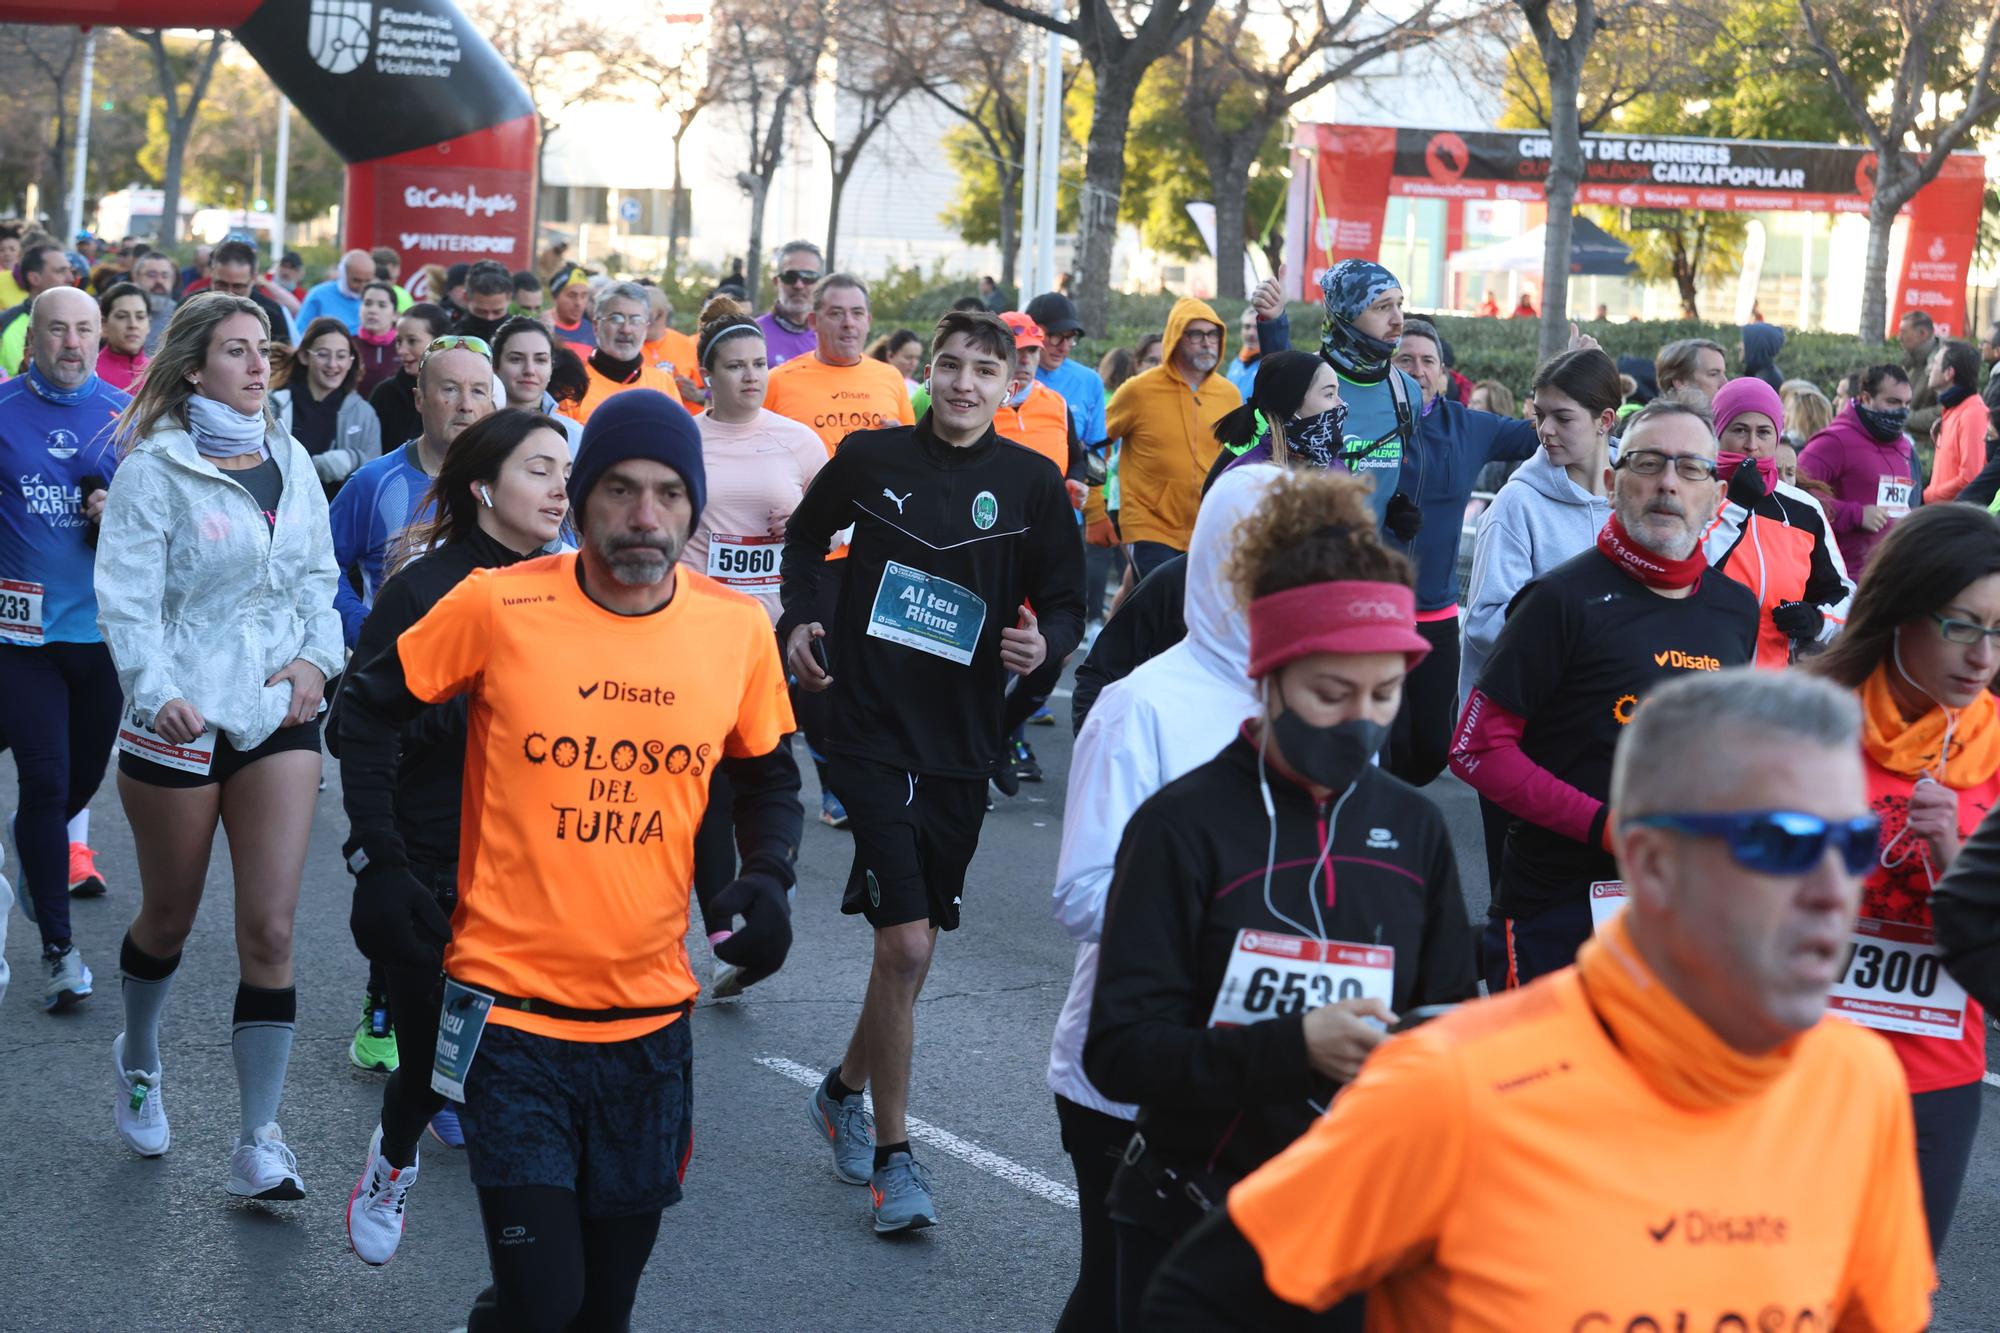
x: 232, y: 269
x: 454, y: 389
x: 1671, y: 1133
x: 618, y: 362
x: 1165, y: 421
x: 788, y: 332
x: 1583, y: 646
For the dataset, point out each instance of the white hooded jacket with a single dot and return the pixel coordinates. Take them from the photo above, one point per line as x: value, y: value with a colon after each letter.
x: 199, y: 599
x: 1174, y: 713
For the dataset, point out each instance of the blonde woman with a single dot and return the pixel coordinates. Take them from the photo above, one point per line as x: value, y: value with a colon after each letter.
x: 215, y: 579
x: 1807, y: 411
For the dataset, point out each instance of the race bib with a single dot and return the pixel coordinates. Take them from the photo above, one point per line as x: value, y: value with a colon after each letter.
x: 927, y: 613
x: 1607, y: 899
x: 21, y: 612
x: 461, y: 1021
x: 1893, y: 980
x: 1271, y: 975
x: 1893, y: 495
x: 748, y: 564
x: 135, y: 737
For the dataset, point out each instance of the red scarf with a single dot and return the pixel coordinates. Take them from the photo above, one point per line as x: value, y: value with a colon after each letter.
x: 1655, y: 571
x: 1726, y: 464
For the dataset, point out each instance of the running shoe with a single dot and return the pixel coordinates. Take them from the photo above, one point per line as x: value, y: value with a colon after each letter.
x: 1006, y: 778
x: 69, y: 980
x: 1026, y: 766
x: 374, y: 1044
x: 84, y: 881
x: 375, y: 1209
x: 831, y: 812
x: 848, y: 1126
x: 1042, y: 717
x: 142, y: 1116
x: 899, y: 1195
x: 264, y: 1168
x: 445, y: 1127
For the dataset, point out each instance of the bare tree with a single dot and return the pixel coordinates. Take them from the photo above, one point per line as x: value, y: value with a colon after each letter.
x: 1118, y: 60
x: 180, y: 116
x: 683, y: 84
x: 1911, y: 129
x: 877, y: 66
x: 979, y: 87
x: 1238, y: 91
x: 769, y: 58
x: 52, y: 54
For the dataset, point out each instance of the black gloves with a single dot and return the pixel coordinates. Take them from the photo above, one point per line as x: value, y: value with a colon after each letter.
x: 396, y: 919
x: 1746, y: 485
x: 760, y: 944
x: 1404, y: 519
x: 1798, y: 620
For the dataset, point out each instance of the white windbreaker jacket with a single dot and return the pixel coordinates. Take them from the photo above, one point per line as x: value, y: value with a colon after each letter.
x: 199, y: 600
x: 1174, y: 713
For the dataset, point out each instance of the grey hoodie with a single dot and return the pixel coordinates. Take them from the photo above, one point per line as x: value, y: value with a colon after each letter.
x: 1539, y: 519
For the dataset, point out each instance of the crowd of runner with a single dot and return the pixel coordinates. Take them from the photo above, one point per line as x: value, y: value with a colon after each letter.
x: 555, y: 583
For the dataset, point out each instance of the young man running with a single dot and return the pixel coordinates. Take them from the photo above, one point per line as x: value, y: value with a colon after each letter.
x: 956, y: 532
x: 604, y: 688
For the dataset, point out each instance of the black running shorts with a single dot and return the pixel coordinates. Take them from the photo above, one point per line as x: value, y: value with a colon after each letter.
x: 914, y: 836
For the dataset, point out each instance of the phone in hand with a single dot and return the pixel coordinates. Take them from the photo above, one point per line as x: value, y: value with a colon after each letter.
x: 1422, y: 1014
x: 817, y: 647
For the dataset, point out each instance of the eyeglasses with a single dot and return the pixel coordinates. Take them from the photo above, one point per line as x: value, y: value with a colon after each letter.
x: 1067, y: 336
x: 452, y: 342
x: 1203, y: 336
x: 1963, y: 631
x: 799, y: 277
x: 1779, y: 842
x: 1651, y: 463
x: 620, y: 321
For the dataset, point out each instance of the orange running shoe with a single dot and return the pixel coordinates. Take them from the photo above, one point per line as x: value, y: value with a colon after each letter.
x: 84, y: 881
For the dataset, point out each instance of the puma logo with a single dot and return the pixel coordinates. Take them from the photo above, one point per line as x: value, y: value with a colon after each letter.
x: 888, y: 494
x: 585, y: 691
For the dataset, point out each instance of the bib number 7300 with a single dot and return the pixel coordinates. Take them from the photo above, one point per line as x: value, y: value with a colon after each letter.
x: 1893, y: 980
x: 1272, y: 975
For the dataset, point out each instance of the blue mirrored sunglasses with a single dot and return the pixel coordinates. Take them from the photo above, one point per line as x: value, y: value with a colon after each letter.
x: 1779, y: 842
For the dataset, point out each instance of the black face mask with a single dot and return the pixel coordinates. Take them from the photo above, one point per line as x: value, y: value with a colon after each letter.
x: 1886, y: 426
x: 1317, y: 437
x: 1332, y: 757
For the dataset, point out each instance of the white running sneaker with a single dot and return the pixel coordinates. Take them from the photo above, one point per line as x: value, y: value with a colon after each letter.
x: 375, y: 1209
x: 142, y: 1116
x: 265, y: 1168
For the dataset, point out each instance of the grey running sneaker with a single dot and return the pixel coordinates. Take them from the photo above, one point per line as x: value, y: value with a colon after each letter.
x: 899, y: 1195
x: 69, y: 980
x: 849, y: 1129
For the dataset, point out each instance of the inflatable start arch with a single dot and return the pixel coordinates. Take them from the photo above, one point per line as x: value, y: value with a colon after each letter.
x: 437, y: 133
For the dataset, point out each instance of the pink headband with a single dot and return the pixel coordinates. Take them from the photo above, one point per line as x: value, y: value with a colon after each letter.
x: 1344, y: 617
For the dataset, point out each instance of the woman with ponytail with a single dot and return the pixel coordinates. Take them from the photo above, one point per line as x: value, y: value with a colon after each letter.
x: 1919, y: 649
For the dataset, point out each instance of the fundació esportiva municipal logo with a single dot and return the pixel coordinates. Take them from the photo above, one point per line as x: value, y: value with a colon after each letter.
x: 985, y: 510
x: 337, y: 34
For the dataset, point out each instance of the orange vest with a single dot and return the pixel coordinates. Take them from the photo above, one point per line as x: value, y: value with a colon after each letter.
x: 1774, y: 561
x: 602, y: 388
x: 1041, y: 423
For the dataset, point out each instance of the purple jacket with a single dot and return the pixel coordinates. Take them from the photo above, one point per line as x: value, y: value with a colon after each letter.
x: 1857, y: 466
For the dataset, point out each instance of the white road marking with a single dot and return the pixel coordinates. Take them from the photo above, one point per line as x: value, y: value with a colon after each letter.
x: 1059, y: 694
x: 923, y: 1131
x: 1993, y: 1078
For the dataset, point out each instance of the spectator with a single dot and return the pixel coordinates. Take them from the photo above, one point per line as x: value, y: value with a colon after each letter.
x: 1759, y: 353
x: 377, y: 336
x: 786, y: 325
x: 316, y: 402
x: 127, y: 321
x: 1918, y: 336
x: 529, y: 296
x: 1691, y: 363
x: 1953, y: 373
x: 1525, y: 307
x: 340, y: 296
x: 1488, y: 307
x: 991, y: 297
x: 733, y: 284
x: 1868, y: 462
x: 395, y: 398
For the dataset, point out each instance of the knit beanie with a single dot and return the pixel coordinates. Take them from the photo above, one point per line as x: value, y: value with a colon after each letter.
x: 639, y: 423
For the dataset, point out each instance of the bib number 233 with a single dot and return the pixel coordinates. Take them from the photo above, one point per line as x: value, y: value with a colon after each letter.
x: 1273, y: 975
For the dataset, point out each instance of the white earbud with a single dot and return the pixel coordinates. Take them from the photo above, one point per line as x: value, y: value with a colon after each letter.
x: 487, y: 496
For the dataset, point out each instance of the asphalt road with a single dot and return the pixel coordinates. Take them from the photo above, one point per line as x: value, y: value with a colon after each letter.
x: 767, y: 1238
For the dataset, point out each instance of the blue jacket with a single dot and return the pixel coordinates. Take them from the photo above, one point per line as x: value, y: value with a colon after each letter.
x: 1084, y: 392
x: 49, y: 442
x: 1456, y: 442
x: 369, y: 513
x: 329, y: 299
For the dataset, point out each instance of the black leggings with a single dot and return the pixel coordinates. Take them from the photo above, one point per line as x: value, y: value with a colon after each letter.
x: 1094, y: 1142
x: 415, y: 995
x: 1420, y: 740
x: 553, y: 1268
x: 1947, y: 1120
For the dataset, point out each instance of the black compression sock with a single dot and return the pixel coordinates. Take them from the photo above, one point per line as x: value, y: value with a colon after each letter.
x: 835, y: 1089
x: 882, y: 1151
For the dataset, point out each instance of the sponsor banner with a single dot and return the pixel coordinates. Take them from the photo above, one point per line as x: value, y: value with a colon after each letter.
x: 1937, y: 250
x: 447, y: 214
x: 1344, y: 173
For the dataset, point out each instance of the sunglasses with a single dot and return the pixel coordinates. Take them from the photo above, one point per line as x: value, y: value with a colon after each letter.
x: 453, y: 342
x: 1779, y: 842
x: 799, y: 277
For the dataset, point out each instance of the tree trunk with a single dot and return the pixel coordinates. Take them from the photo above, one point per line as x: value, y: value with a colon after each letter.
x: 1010, y: 244
x: 1231, y: 188
x: 1882, y: 210
x: 170, y: 192
x: 754, y: 268
x: 837, y: 186
x: 1103, y: 187
x: 674, y: 211
x: 1565, y: 174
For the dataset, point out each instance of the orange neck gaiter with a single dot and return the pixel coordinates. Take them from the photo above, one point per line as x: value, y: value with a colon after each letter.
x: 1915, y: 749
x: 1676, y: 1053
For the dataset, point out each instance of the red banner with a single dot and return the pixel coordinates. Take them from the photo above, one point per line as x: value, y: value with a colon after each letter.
x: 450, y: 203
x: 1345, y: 169
x: 1937, y: 249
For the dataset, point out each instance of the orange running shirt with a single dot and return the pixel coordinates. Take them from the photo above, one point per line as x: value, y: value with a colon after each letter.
x: 674, y: 353
x: 602, y: 388
x: 1506, y: 1168
x: 1041, y: 422
x: 837, y: 400
x: 592, y: 739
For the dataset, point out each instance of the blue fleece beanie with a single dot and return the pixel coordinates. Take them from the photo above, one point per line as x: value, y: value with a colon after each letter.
x: 639, y: 423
